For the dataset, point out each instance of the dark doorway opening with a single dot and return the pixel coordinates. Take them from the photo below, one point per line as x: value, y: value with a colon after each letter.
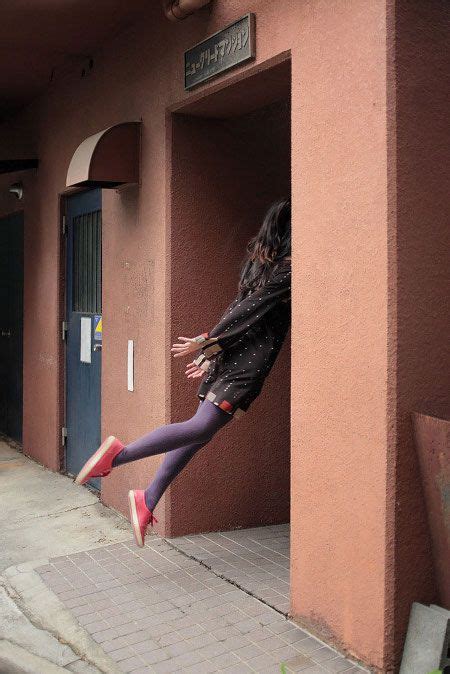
x: 11, y: 325
x: 230, y: 160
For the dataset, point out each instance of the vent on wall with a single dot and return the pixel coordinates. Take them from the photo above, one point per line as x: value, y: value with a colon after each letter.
x: 87, y: 263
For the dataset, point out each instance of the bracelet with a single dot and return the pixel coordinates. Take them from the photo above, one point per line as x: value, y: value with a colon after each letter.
x: 202, y: 362
x: 201, y: 338
x: 211, y: 349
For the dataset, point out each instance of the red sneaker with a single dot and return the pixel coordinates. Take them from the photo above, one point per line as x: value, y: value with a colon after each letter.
x: 100, y: 463
x: 140, y: 515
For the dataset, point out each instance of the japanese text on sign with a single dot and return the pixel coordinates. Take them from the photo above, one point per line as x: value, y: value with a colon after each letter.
x: 223, y: 50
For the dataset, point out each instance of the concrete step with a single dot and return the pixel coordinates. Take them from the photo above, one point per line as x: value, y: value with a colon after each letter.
x: 427, y: 641
x: 440, y: 609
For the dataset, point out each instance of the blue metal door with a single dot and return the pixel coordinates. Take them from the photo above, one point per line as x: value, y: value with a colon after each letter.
x: 84, y: 328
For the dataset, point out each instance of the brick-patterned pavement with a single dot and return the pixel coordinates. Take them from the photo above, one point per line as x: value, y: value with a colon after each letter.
x: 155, y: 610
x: 256, y: 559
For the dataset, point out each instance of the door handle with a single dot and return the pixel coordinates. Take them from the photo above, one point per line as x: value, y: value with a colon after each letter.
x: 6, y: 333
x: 97, y: 347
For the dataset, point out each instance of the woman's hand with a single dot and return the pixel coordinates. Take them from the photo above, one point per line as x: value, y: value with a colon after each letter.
x: 187, y: 346
x: 193, y: 371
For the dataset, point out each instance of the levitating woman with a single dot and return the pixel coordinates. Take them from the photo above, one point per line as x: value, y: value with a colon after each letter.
x: 234, y: 358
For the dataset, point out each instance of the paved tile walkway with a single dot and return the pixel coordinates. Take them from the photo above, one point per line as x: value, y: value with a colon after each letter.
x: 256, y: 559
x: 155, y: 610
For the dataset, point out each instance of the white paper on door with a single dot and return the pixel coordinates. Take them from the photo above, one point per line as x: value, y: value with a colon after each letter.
x: 85, y: 339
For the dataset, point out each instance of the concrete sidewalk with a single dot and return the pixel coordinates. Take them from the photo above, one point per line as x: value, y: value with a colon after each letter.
x: 45, y: 506
x: 38, y: 509
x: 93, y: 602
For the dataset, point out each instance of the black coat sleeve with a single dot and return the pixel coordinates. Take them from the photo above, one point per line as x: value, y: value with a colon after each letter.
x: 244, y: 314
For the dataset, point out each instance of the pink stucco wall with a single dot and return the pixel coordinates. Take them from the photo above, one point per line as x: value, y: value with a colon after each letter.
x: 419, y: 272
x: 368, y: 325
x: 341, y: 385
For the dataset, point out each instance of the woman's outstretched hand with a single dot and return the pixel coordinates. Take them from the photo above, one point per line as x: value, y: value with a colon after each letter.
x: 193, y: 371
x: 187, y: 346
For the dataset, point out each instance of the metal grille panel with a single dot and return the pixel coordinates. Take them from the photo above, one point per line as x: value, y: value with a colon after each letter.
x: 87, y: 263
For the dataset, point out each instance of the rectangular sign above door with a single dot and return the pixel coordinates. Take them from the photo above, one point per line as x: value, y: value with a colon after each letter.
x: 226, y: 49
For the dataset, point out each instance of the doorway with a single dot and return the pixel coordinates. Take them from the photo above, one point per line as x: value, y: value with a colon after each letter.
x: 84, y: 328
x: 230, y: 159
x: 11, y: 325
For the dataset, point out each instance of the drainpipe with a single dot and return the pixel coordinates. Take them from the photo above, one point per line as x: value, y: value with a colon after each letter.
x: 175, y: 10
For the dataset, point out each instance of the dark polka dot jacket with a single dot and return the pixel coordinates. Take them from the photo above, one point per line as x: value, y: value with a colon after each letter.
x: 239, y: 352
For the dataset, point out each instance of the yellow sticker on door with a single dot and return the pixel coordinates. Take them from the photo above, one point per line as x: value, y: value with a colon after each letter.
x: 98, y: 328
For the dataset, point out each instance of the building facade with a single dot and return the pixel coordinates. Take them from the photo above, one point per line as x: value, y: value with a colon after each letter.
x: 343, y: 107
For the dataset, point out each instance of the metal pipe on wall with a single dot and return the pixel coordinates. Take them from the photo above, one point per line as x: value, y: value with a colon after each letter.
x: 176, y: 10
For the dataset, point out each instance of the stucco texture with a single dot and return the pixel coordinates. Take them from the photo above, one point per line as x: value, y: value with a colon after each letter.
x: 369, y: 268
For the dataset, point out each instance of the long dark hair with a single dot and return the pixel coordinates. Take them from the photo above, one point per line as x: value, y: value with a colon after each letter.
x: 265, y: 250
